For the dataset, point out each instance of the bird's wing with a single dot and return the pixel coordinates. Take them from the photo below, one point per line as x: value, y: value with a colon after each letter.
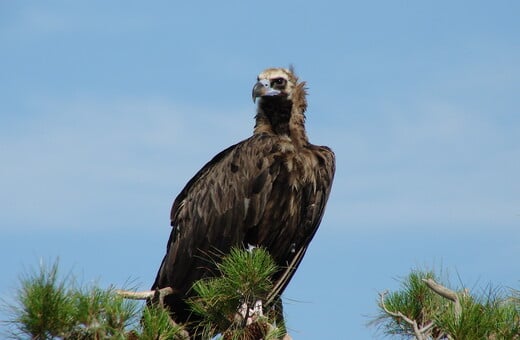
x: 312, y: 201
x: 216, y: 208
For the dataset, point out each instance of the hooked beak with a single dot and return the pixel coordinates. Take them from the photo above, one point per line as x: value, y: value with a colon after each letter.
x: 262, y: 89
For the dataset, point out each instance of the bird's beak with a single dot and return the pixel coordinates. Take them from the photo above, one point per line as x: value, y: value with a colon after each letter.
x: 262, y: 88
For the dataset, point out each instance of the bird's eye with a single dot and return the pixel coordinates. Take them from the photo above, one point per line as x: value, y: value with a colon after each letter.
x: 278, y: 82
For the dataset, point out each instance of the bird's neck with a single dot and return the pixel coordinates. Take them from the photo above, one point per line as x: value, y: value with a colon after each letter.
x: 278, y: 115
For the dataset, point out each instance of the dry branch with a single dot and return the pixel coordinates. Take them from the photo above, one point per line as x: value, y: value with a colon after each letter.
x: 445, y: 293
x: 156, y: 295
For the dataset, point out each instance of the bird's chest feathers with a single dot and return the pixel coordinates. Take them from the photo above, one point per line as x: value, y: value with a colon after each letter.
x: 300, y: 165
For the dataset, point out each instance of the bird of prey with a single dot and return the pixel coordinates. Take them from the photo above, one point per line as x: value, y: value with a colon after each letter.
x: 267, y: 191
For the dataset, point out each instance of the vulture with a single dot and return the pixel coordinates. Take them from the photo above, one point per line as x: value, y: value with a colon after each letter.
x: 269, y: 191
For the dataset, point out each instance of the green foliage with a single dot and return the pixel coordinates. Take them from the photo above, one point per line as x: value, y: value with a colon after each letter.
x: 101, y: 314
x: 245, y: 278
x: 45, y: 307
x: 489, y: 316
x: 415, y: 300
x: 156, y: 324
x: 248, y: 272
x: 50, y: 307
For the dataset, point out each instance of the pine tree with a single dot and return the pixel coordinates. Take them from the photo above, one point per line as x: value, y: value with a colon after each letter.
x: 50, y: 306
x: 425, y: 309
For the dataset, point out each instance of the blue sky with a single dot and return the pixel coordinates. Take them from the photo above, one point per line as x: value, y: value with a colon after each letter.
x: 108, y: 108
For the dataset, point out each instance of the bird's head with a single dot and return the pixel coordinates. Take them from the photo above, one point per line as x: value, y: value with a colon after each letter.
x: 282, y: 102
x: 275, y: 82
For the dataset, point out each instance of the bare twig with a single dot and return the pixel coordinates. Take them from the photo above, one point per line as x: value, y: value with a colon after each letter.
x: 158, y: 294
x: 420, y: 333
x: 130, y: 294
x: 445, y: 293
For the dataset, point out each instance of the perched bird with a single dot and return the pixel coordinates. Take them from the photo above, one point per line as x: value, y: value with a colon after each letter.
x: 268, y: 191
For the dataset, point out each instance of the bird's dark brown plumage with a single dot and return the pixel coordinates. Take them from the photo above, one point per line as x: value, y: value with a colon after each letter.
x: 269, y: 190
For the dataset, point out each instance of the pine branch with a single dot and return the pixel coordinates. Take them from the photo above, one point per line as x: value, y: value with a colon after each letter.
x: 233, y: 303
x: 420, y: 333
